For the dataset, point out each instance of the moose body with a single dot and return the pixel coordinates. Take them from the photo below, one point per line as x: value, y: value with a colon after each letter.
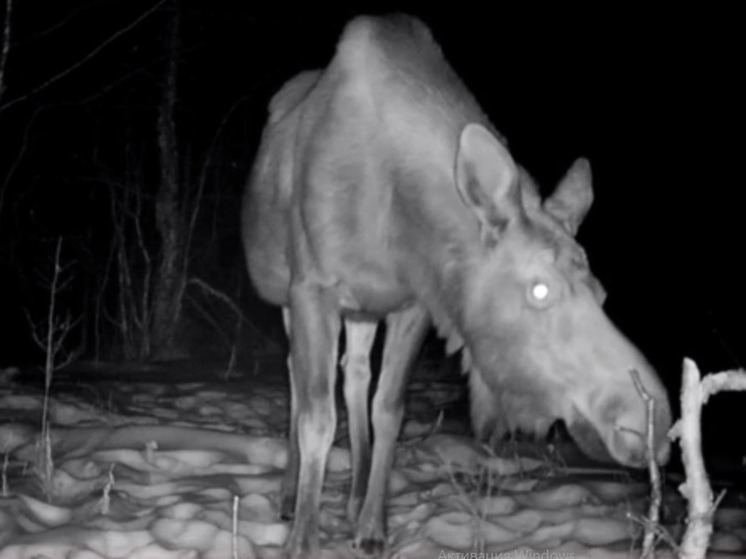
x: 381, y: 191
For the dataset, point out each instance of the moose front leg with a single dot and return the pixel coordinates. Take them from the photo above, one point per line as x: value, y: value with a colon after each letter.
x: 314, y: 336
x: 405, y: 331
x: 359, y: 337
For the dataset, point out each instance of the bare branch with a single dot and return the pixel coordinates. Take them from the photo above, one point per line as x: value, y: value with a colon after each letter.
x: 659, y: 530
x: 51, y: 319
x: 696, y: 489
x: 63, y: 329
x: 207, y: 288
x: 6, y: 45
x: 145, y: 306
x: 122, y: 266
x: 727, y: 380
x: 35, y: 330
x: 218, y: 294
x: 57, y: 77
x: 144, y: 69
x: 19, y: 157
x: 653, y: 518
x: 202, y: 180
x: 99, y: 309
x: 59, y: 24
x: 209, y: 318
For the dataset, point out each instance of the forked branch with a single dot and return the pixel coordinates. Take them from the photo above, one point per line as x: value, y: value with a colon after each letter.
x: 696, y: 489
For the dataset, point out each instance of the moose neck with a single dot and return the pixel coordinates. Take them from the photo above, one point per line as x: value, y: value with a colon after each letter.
x: 438, y: 250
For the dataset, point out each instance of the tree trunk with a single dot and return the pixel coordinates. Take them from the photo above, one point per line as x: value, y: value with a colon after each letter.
x: 170, y: 280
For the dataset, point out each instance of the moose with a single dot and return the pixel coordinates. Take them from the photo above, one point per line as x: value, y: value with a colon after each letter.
x: 382, y: 192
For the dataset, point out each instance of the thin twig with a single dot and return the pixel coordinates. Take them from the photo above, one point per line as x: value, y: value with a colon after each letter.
x: 234, y: 529
x: 202, y: 180
x: 99, y: 308
x: 60, y: 75
x: 146, y: 305
x: 18, y: 158
x: 653, y: 518
x: 218, y: 295
x: 49, y: 367
x: 58, y: 25
x: 232, y: 305
x: 659, y: 530
x: 6, y: 45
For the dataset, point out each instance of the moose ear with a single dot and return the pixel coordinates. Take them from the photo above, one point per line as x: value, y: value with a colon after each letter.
x: 487, y: 178
x: 573, y: 196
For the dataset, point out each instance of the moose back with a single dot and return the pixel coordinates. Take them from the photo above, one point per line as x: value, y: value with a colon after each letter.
x: 382, y: 192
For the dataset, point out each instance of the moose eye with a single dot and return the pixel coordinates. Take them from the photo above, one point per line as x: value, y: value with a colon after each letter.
x: 540, y: 291
x: 541, y: 294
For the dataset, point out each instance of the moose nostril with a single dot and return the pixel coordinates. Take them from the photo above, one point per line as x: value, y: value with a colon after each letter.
x: 664, y: 453
x: 633, y: 443
x: 630, y: 444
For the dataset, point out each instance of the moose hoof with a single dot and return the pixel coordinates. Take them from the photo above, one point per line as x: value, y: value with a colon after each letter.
x: 371, y: 546
x: 287, y: 510
x: 301, y: 554
x: 302, y: 544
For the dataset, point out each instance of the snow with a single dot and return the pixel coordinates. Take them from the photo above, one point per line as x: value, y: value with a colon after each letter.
x: 165, y: 470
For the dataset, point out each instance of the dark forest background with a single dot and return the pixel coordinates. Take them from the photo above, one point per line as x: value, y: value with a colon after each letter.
x: 128, y: 128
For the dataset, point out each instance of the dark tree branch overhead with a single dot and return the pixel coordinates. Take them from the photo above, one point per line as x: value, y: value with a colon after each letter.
x: 59, y: 24
x: 6, y: 46
x: 60, y: 75
x: 19, y: 157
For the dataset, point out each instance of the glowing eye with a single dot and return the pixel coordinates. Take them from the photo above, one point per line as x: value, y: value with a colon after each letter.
x: 540, y: 291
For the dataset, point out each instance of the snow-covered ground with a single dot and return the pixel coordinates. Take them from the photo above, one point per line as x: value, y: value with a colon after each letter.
x: 165, y: 469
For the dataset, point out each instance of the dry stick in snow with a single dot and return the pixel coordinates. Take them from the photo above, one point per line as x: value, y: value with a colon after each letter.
x: 6, y: 463
x: 696, y: 489
x: 234, y: 529
x: 50, y: 336
x: 51, y: 318
x: 653, y: 519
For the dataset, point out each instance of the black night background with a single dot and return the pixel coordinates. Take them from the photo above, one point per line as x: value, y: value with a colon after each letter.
x: 653, y: 99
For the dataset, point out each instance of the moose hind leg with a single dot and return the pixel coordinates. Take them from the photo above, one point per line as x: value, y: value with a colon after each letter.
x: 314, y: 336
x: 356, y: 364
x: 290, y: 480
x: 405, y: 331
